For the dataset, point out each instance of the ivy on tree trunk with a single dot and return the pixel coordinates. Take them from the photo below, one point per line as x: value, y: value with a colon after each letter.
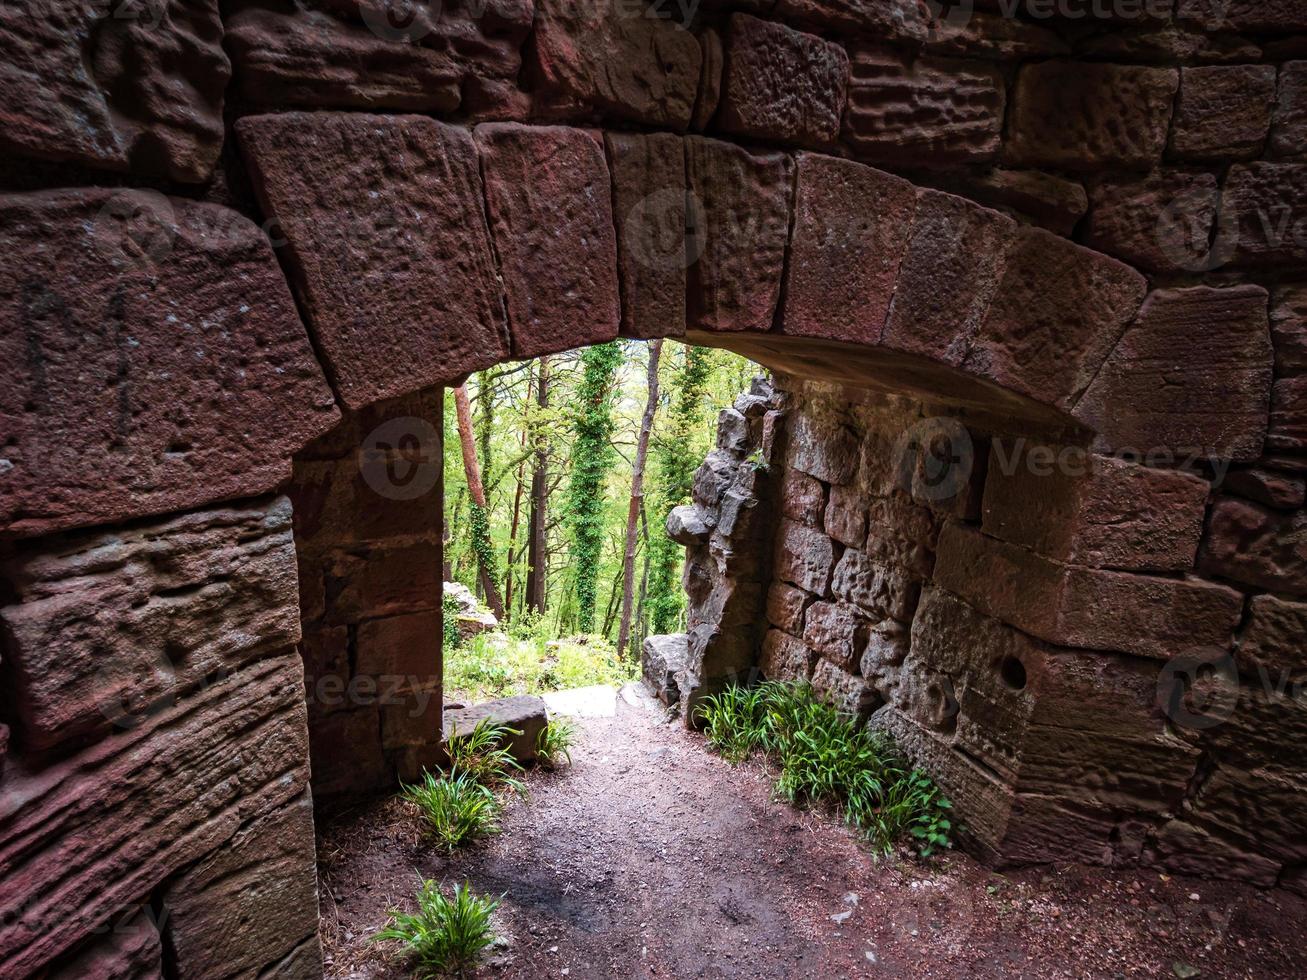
x: 592, y: 459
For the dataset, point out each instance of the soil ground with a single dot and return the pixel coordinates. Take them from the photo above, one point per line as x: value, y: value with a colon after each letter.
x: 651, y: 857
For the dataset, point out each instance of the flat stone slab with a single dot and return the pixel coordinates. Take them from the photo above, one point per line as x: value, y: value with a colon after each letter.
x: 525, y: 712
x: 598, y: 701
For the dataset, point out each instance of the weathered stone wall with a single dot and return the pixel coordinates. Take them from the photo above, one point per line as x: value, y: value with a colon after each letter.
x: 1081, y: 213
x: 368, y: 538
x: 1049, y: 631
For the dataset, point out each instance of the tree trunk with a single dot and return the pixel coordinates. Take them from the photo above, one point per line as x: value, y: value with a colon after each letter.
x: 637, y: 500
x: 517, y: 515
x: 480, y: 525
x: 537, y: 552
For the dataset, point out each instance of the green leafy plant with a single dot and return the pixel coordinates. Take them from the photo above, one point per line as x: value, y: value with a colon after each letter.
x: 458, y: 809
x: 445, y: 935
x: 449, y: 621
x: 484, y: 755
x: 824, y: 758
x: 554, y: 743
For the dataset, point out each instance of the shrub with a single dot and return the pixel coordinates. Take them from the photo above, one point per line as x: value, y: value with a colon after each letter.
x: 446, y: 935
x: 824, y: 758
x: 554, y: 743
x: 449, y: 620
x: 484, y: 755
x: 457, y: 809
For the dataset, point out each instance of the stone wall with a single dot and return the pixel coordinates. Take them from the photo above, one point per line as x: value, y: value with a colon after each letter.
x: 219, y: 263
x: 1048, y: 631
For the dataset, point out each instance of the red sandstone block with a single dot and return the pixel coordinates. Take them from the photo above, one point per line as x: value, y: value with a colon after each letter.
x: 1055, y: 316
x: 1270, y: 16
x: 1247, y: 543
x: 948, y: 278
x: 1289, y: 123
x: 1262, y: 208
x: 785, y: 658
x: 1070, y: 505
x: 710, y: 79
x: 1064, y: 604
x: 884, y: 589
x: 903, y: 20
x: 631, y: 63
x: 781, y: 84
x: 851, y: 226
x: 845, y: 691
x: 1288, y: 431
x: 150, y: 360
x: 326, y: 58
x: 1274, y: 488
x: 739, y: 228
x: 837, y: 632
x: 1192, y: 375
x: 1289, y: 330
x: 649, y: 200
x: 415, y: 722
x: 803, y: 498
x: 122, y: 90
x: 251, y: 904
x: 804, y: 557
x: 1223, y: 112
x: 846, y: 516
x: 1161, y: 222
x: 389, y: 580
x: 550, y: 203
x: 405, y: 650
x: 785, y: 607
x: 107, y: 625
x: 1076, y: 115
x: 387, y: 242
x: 97, y: 830
x: 1051, y: 202
x: 923, y: 111
x: 1273, y: 640
x: 131, y: 950
x: 346, y: 753
x: 824, y: 446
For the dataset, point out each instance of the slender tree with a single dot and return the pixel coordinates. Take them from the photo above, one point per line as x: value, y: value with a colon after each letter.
x: 592, y: 458
x: 537, y: 553
x: 480, y: 515
x: 637, y: 499
x: 675, y: 468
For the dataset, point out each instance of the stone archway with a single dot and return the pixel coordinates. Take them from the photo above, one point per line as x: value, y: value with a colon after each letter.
x: 160, y: 381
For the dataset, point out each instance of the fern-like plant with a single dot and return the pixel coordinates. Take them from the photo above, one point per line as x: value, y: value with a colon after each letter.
x: 484, y: 755
x: 824, y: 758
x: 554, y: 743
x: 445, y: 935
x: 458, y: 809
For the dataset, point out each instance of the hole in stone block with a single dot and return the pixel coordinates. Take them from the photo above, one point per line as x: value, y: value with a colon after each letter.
x: 1013, y: 673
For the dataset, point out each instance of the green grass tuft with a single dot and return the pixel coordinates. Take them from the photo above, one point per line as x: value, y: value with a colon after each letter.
x: 554, y: 743
x: 457, y: 809
x: 484, y: 755
x: 825, y: 758
x: 446, y: 935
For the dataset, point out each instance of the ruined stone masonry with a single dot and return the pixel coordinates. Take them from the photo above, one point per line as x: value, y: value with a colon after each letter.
x: 1029, y: 490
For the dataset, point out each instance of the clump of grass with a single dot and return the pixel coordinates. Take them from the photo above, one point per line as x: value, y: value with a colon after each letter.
x: 445, y: 935
x: 458, y: 809
x: 554, y: 743
x: 484, y: 755
x: 824, y: 758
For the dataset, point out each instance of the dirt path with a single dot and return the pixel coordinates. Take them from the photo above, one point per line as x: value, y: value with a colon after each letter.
x: 653, y: 858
